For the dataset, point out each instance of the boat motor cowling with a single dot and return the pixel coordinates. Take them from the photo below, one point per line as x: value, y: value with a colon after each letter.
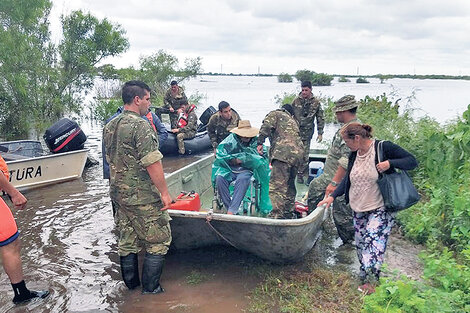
x: 64, y: 135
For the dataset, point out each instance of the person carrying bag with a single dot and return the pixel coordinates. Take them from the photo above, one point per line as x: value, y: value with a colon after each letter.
x: 373, y: 222
x: 397, y: 189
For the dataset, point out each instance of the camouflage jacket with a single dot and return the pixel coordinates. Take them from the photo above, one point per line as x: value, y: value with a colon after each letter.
x: 305, y: 112
x: 219, y: 128
x: 283, y: 133
x: 174, y: 101
x: 337, y: 154
x: 131, y: 146
x: 191, y: 127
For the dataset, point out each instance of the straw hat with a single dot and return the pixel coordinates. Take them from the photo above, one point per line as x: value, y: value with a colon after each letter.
x: 345, y: 103
x: 244, y: 129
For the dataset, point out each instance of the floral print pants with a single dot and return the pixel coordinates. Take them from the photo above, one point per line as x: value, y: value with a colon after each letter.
x: 372, y: 229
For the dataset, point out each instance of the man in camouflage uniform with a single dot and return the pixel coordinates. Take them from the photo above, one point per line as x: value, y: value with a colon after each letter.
x: 139, y: 190
x: 221, y: 123
x: 174, y: 97
x: 307, y: 108
x: 188, y: 128
x: 334, y: 171
x: 285, y: 153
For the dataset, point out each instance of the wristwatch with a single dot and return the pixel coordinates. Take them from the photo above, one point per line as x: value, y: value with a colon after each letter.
x: 333, y: 183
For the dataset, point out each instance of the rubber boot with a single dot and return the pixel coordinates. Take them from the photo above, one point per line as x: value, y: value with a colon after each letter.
x: 130, y: 270
x: 151, y: 272
x: 23, y: 294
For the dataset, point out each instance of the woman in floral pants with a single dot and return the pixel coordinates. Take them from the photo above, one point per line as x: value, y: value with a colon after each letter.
x: 372, y: 222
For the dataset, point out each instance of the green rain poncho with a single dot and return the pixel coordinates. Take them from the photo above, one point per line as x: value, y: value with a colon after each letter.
x: 231, y: 148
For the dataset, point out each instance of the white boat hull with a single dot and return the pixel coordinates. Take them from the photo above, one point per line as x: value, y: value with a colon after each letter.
x: 46, y: 170
x: 275, y: 240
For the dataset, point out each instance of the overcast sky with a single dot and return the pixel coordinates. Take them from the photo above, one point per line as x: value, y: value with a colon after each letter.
x: 332, y: 36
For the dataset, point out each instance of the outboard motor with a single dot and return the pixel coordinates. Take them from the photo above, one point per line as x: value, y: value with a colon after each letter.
x: 63, y: 136
x: 205, y: 116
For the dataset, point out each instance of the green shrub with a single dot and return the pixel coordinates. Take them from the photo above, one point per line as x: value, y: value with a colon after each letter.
x: 362, y: 80
x: 284, y: 78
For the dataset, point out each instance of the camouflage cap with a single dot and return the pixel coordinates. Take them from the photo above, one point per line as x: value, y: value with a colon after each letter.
x: 345, y: 103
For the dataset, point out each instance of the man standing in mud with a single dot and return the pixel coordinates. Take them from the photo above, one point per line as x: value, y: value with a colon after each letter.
x: 174, y: 97
x: 139, y: 190
x: 221, y: 123
x: 285, y: 154
x: 307, y: 108
x: 335, y: 168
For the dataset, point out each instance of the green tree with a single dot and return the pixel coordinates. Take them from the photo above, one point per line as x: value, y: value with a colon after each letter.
x: 361, y: 80
x: 24, y: 57
x: 321, y: 79
x: 303, y: 75
x: 39, y: 81
x: 284, y: 78
x: 87, y: 41
x: 158, y: 69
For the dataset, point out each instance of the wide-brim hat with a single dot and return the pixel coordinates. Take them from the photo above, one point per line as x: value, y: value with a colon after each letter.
x: 345, y: 103
x: 244, y: 129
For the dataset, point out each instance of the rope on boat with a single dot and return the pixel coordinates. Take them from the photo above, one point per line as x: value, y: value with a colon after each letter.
x: 208, y: 221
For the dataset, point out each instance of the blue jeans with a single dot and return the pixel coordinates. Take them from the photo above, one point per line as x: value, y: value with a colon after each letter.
x: 242, y: 181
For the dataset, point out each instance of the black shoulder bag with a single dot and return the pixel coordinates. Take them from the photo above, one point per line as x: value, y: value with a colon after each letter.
x: 397, y: 189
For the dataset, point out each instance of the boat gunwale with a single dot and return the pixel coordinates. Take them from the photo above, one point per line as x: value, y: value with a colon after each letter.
x: 315, y: 214
x: 47, y: 156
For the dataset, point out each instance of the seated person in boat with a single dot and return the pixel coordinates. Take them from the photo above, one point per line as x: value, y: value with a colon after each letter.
x: 173, y: 98
x: 237, y: 160
x: 285, y: 155
x: 221, y: 123
x: 186, y: 127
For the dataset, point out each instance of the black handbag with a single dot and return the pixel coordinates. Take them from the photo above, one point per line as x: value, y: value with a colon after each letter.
x: 397, y: 189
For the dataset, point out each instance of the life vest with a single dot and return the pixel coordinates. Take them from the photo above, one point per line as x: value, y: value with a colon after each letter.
x: 150, y: 118
x: 8, y: 229
x: 4, y: 168
x: 183, y: 117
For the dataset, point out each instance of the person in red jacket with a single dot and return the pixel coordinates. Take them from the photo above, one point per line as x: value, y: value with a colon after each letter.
x: 10, y: 243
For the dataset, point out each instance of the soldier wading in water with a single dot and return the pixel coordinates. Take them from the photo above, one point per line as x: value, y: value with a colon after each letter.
x: 138, y: 189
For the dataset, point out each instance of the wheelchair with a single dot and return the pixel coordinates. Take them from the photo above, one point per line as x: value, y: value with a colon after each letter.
x: 250, y: 203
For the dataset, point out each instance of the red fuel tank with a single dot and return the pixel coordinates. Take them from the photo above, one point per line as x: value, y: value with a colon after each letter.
x: 187, y: 201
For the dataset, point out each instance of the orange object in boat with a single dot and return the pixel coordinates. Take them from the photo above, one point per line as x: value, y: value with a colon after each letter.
x: 187, y: 201
x: 8, y: 228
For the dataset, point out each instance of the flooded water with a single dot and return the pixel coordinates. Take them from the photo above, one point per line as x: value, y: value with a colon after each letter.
x: 69, y: 240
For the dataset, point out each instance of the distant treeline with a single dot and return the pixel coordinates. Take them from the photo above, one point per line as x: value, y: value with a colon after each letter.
x: 232, y: 74
x: 389, y: 76
x: 380, y: 76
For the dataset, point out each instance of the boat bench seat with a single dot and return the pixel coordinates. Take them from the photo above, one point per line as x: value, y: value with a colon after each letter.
x: 13, y: 156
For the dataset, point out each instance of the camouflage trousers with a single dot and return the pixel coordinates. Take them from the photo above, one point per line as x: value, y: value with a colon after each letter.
x: 180, y: 139
x: 303, y: 167
x: 143, y: 225
x: 282, y: 189
x: 342, y: 213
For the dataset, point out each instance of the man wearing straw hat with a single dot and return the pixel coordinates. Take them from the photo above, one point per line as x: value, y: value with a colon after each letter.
x: 237, y: 160
x: 334, y: 171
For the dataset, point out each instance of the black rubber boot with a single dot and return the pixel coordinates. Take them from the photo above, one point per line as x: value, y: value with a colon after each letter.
x: 130, y: 270
x: 151, y: 272
x: 23, y: 294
